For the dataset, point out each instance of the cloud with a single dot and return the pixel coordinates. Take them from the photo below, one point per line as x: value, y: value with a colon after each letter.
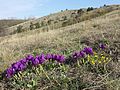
x: 13, y: 8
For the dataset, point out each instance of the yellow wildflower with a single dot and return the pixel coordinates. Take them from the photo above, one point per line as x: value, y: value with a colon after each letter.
x: 93, y: 62
x: 104, y: 61
x: 99, y: 61
x: 103, y: 58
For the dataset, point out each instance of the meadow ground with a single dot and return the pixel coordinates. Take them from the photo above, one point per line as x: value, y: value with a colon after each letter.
x: 67, y: 40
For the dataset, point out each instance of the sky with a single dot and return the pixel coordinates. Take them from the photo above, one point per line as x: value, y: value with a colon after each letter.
x: 38, y: 8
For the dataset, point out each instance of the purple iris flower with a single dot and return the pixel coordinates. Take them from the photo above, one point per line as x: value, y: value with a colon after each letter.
x: 60, y: 58
x: 48, y: 56
x: 15, y: 66
x: 30, y: 57
x: 82, y: 54
x: 10, y: 72
x: 88, y: 50
x: 41, y: 58
x: 102, y: 46
x: 52, y: 56
x: 75, y: 55
x: 56, y: 57
x: 35, y: 61
x: 24, y: 61
x: 21, y: 66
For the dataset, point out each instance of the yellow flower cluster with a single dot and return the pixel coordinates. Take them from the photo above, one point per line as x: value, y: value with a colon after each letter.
x: 97, y: 58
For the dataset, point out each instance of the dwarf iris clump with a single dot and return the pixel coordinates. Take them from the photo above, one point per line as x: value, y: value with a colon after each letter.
x: 48, y: 56
x: 21, y: 65
x: 41, y: 58
x: 34, y: 61
x: 16, y: 67
x: 10, y: 72
x: 102, y: 46
x: 88, y: 50
x: 79, y: 54
x: 28, y: 71
x: 82, y: 53
x: 59, y: 58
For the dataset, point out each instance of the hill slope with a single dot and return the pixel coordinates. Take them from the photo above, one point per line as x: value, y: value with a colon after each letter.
x: 66, y: 40
x: 62, y: 19
x: 16, y: 46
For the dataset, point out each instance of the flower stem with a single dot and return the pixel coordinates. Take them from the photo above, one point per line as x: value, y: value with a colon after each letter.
x: 45, y: 74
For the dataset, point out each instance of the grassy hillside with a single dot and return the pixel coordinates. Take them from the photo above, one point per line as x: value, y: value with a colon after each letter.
x: 65, y: 40
x: 62, y: 19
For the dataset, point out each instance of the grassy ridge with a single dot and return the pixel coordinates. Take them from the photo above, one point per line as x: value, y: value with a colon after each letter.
x: 63, y: 19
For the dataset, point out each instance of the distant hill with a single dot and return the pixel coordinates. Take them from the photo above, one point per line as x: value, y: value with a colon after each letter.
x: 5, y: 23
x: 62, y: 19
x: 11, y: 22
